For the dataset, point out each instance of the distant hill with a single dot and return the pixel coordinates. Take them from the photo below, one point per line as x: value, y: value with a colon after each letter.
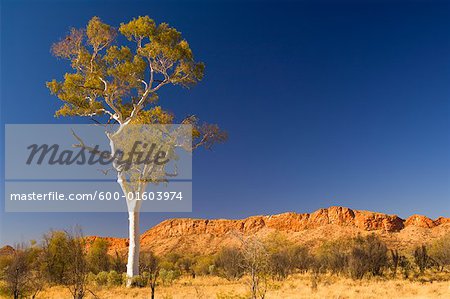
x: 6, y: 250
x: 208, y: 236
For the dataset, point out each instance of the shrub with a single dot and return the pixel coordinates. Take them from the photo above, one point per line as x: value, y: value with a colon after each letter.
x: 185, y: 264
x: 376, y: 252
x: 64, y: 254
x: 280, y: 264
x: 101, y: 278
x: 21, y: 272
x: 150, y: 265
x: 169, y: 276
x: 405, y: 266
x: 368, y: 255
x: 56, y: 260
x: 114, y: 278
x: 440, y: 251
x: 421, y: 258
x: 204, y: 265
x: 300, y: 257
x: 118, y: 263
x: 167, y: 265
x: 229, y: 263
x: 91, y: 278
x: 358, y: 263
x: 97, y: 257
x: 333, y: 256
x: 138, y: 281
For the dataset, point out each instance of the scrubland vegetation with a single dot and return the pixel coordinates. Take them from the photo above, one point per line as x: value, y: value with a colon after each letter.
x: 62, y: 265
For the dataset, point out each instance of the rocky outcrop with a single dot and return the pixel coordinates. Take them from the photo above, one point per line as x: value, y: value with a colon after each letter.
x: 6, y: 250
x: 206, y: 236
x: 289, y: 222
x: 441, y: 220
x: 420, y: 221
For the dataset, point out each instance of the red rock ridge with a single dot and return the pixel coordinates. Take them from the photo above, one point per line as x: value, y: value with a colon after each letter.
x: 195, y: 234
x: 423, y: 221
x: 282, y: 222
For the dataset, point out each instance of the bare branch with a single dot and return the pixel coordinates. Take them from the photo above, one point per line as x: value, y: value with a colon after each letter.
x: 88, y: 148
x: 145, y: 83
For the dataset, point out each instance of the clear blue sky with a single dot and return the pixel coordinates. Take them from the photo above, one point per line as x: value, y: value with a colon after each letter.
x: 330, y: 103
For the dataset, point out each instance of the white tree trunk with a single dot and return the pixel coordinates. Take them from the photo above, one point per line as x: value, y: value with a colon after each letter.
x: 134, y: 246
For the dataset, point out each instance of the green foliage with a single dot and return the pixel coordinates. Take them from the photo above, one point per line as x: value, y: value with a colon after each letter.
x: 98, y: 258
x: 229, y: 263
x: 185, y: 264
x: 101, y: 279
x: 333, y: 256
x: 138, y: 281
x: 204, y: 265
x: 367, y: 255
x: 277, y: 258
x: 301, y: 258
x: 285, y: 257
x: 440, y: 251
x: 357, y: 257
x: 109, y: 77
x: 118, y: 82
x: 169, y: 276
x: 114, y: 278
x: 56, y: 246
x: 21, y: 272
x: 150, y: 268
x: 118, y: 262
x: 65, y: 262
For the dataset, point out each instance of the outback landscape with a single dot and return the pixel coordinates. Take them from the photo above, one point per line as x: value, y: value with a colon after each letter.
x: 335, y: 252
x: 115, y: 113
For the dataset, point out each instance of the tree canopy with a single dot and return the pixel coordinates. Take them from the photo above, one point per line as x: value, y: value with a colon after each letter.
x: 116, y: 74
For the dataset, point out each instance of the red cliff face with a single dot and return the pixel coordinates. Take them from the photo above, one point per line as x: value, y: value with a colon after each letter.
x: 282, y: 222
x: 203, y: 235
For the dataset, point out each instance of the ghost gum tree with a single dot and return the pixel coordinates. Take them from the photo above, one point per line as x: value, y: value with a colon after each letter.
x: 115, y: 78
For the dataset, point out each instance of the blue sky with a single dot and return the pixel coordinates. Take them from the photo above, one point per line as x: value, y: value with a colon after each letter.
x: 326, y: 103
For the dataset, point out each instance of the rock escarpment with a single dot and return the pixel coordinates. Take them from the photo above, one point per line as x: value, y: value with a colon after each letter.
x: 208, y: 236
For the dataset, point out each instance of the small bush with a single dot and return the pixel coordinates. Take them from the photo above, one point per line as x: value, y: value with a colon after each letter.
x: 333, y: 256
x: 101, y: 278
x: 368, y: 255
x: 229, y: 263
x: 301, y: 259
x: 405, y: 266
x: 204, y: 265
x: 169, y: 276
x: 280, y: 264
x: 421, y: 258
x: 138, y: 281
x: 358, y: 263
x: 440, y: 251
x: 114, y: 278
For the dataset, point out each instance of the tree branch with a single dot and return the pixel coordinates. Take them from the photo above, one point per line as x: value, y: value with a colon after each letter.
x: 84, y: 146
x: 110, y: 103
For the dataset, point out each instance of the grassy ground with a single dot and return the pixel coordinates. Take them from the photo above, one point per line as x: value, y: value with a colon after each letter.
x: 298, y: 286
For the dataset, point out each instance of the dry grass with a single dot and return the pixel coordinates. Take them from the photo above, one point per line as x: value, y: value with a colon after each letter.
x: 298, y: 286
